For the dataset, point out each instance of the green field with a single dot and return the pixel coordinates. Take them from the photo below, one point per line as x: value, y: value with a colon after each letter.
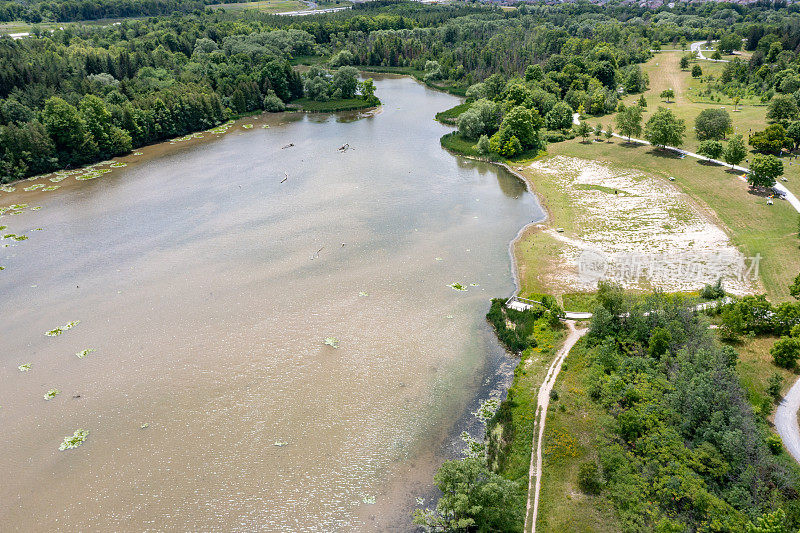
x: 278, y: 6
x: 266, y: 6
x: 665, y: 73
x: 753, y: 226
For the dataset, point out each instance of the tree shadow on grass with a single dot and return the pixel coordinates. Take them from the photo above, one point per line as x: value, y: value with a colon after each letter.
x: 631, y: 144
x: 665, y: 154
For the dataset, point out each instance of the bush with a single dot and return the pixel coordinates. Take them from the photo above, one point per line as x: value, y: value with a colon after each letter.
x: 713, y: 292
x: 589, y: 478
x: 774, y: 444
x: 785, y: 352
x: 273, y: 104
x: 519, y: 335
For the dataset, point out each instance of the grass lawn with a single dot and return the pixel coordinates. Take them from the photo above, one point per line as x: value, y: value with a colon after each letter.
x: 570, y: 438
x: 265, y: 6
x: 753, y: 226
x: 515, y: 431
x: 755, y: 368
x: 665, y: 73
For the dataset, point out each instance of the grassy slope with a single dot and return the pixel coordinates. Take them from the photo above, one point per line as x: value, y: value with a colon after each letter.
x: 570, y: 438
x: 528, y: 375
x: 665, y: 73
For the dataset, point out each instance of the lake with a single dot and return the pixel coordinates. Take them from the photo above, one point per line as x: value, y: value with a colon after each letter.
x: 206, y: 276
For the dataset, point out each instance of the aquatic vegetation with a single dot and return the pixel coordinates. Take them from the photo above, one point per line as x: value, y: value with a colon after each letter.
x: 369, y: 500
x: 118, y: 164
x: 2, y: 268
x: 19, y: 237
x: 487, y: 409
x: 457, y: 286
x: 332, y: 341
x: 56, y: 179
x: 280, y: 444
x: 75, y: 440
x: 265, y: 127
x: 36, y: 208
x: 474, y: 448
x: 7, y: 188
x: 420, y: 501
x: 247, y: 126
x: 439, y: 259
x: 474, y: 285
x: 55, y: 332
x: 138, y: 153
x: 363, y: 294
x: 24, y: 367
x: 49, y: 395
x: 144, y: 426
x: 51, y: 187
x: 34, y: 187
x: 3, y: 228
x: 84, y: 353
x: 15, y: 209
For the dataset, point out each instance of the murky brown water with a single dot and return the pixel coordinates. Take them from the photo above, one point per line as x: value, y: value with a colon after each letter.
x: 195, y: 276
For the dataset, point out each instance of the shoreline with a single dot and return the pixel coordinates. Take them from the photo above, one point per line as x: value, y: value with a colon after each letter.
x: 532, y: 225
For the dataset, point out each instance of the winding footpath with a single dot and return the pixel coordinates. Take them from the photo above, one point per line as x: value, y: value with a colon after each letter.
x: 786, y: 421
x: 543, y: 401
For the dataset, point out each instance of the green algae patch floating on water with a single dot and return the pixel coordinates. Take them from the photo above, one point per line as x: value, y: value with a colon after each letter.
x: 51, y: 187
x: 75, y: 440
x: 138, y: 153
x: 34, y: 187
x: 363, y: 294
x: 52, y: 393
x: 58, y: 331
x: 24, y: 367
x: 247, y: 126
x: 118, y: 164
x: 332, y: 342
x: 7, y: 188
x: 84, y: 353
x: 457, y: 286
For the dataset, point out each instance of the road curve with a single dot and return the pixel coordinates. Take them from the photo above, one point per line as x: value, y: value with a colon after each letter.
x: 786, y: 420
x: 543, y: 401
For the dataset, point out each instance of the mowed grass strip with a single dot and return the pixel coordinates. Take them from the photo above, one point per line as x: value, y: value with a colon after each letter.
x: 574, y: 424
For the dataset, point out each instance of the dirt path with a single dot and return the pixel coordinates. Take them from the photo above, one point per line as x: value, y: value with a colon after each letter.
x: 786, y: 421
x: 535, y: 478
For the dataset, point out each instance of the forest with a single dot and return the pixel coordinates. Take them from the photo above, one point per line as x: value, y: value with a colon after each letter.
x: 81, y: 94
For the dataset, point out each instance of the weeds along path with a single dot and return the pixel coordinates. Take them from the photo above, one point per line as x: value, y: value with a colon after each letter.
x: 543, y: 401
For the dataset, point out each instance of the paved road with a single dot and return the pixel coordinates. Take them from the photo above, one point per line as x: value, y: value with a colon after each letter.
x: 698, y: 47
x: 786, y: 421
x: 543, y: 401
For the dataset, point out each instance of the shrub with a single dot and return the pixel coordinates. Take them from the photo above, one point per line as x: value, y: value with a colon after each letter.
x: 589, y: 478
